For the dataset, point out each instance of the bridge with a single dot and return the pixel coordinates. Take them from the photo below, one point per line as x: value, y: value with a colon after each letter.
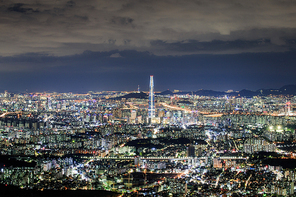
x: 168, y: 158
x: 10, y: 113
x: 145, y: 158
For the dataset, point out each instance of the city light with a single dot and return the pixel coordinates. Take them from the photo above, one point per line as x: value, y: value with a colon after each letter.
x: 147, y: 146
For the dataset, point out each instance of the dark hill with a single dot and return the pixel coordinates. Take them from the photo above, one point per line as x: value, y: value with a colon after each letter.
x: 140, y: 95
x: 288, y: 89
x: 208, y: 93
x: 166, y: 92
x: 10, y: 161
x: 247, y: 93
x: 285, y: 90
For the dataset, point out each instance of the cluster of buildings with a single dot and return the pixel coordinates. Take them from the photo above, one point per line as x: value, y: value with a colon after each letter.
x: 158, y: 144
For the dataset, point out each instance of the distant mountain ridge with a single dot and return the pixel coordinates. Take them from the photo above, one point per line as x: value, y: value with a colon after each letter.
x: 285, y: 90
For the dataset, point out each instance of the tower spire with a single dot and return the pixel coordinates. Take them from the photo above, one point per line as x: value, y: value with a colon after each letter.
x: 151, y: 110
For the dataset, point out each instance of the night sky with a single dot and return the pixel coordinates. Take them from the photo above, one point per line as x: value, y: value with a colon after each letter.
x: 78, y: 46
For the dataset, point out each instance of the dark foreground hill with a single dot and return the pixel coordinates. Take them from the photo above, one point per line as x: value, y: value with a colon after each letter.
x: 12, y: 191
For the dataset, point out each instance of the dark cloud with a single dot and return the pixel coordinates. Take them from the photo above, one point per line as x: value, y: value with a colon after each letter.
x: 18, y: 7
x: 115, y: 55
x: 53, y: 26
x: 85, y: 18
x: 215, y: 46
x: 122, y: 20
x: 70, y: 4
x: 192, y: 43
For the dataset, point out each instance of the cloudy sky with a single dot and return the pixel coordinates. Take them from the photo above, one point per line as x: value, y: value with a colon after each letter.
x: 61, y: 45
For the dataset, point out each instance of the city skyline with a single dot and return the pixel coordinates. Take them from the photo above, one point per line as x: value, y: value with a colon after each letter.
x: 190, y: 145
x: 72, y: 46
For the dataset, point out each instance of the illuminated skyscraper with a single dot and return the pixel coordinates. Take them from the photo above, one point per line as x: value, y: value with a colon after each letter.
x: 151, y: 109
x: 49, y: 103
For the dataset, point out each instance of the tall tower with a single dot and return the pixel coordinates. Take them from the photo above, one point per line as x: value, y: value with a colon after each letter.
x: 151, y: 110
x: 49, y: 103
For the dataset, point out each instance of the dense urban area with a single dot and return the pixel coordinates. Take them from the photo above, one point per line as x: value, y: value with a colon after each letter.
x: 149, y: 143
